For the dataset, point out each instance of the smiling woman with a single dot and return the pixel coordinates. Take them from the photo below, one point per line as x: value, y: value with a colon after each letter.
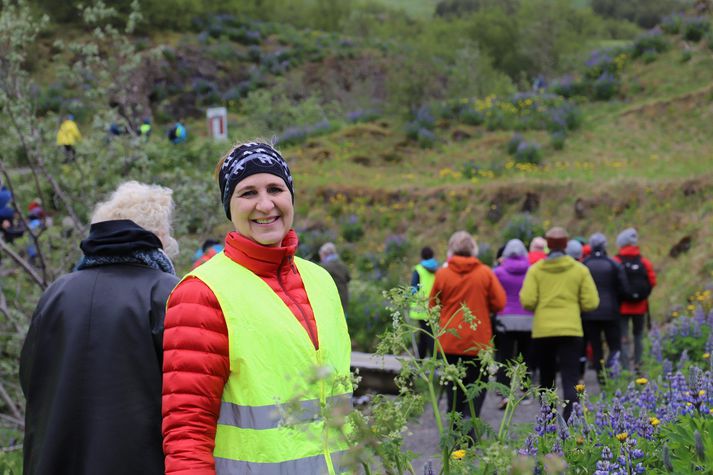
x: 261, y: 209
x: 236, y: 350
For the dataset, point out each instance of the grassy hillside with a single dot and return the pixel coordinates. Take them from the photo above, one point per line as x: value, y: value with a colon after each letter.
x: 641, y: 160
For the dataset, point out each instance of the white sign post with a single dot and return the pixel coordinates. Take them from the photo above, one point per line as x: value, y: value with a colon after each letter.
x: 217, y: 123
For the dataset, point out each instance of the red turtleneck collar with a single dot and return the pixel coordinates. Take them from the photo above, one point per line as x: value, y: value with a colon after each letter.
x: 262, y: 260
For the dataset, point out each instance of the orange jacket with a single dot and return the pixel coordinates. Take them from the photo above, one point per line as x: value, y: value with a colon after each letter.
x: 466, y: 281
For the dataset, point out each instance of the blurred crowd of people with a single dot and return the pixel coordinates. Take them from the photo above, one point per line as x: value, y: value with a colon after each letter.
x: 557, y: 305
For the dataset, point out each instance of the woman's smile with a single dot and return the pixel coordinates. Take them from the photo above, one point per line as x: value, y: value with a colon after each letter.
x: 261, y: 209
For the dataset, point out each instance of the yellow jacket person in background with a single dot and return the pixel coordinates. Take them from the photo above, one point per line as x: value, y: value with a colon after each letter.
x: 68, y: 135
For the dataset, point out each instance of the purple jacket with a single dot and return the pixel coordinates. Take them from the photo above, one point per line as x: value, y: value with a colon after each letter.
x: 511, y: 274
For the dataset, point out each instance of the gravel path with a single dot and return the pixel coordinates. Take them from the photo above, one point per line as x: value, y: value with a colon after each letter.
x: 422, y: 435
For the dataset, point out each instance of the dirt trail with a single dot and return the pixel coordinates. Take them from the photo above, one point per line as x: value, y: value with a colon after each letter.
x: 422, y: 435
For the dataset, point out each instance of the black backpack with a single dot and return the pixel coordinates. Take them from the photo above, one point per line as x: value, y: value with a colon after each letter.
x: 638, y: 278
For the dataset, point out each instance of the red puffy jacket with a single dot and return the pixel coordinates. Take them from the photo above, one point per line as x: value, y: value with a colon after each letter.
x: 636, y: 308
x: 195, y: 343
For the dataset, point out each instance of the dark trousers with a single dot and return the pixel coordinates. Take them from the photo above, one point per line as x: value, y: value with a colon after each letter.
x: 457, y: 400
x: 637, y: 324
x: 425, y: 341
x: 508, y: 345
x: 560, y: 353
x: 593, y: 335
x: 69, y: 153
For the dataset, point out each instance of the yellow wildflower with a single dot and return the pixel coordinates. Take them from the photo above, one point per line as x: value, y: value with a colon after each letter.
x: 622, y: 436
x: 580, y: 388
x: 701, y: 393
x: 642, y: 381
x: 654, y: 421
x: 675, y: 314
x: 458, y: 454
x: 691, y: 307
x: 580, y: 440
x: 706, y: 356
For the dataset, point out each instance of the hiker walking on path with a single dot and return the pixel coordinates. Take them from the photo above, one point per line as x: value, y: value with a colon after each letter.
x: 537, y: 249
x: 145, y: 128
x: 558, y: 289
x: 574, y: 249
x: 178, y: 133
x: 250, y: 330
x: 329, y: 259
x: 642, y: 279
x: 424, y: 274
x: 513, y: 325
x: 90, y: 367
x: 612, y: 286
x: 470, y: 283
x: 67, y: 136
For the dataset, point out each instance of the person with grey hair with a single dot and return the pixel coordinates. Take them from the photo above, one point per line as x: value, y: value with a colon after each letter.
x: 90, y: 367
x: 466, y: 282
x: 574, y: 249
x: 329, y: 259
x: 613, y: 286
x: 634, y: 307
x: 513, y: 325
x: 538, y: 249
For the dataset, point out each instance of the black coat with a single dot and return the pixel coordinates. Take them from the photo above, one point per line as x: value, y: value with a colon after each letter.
x: 91, y: 368
x: 612, y: 285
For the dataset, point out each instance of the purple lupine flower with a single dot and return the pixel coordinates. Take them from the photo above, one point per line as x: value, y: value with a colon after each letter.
x: 667, y: 367
x: 656, y: 350
x: 530, y: 448
x: 683, y: 360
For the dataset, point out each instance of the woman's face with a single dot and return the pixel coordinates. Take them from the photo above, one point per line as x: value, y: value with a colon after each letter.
x: 261, y: 209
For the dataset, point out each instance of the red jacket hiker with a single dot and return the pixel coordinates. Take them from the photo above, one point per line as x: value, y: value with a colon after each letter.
x: 198, y: 368
x: 636, y: 308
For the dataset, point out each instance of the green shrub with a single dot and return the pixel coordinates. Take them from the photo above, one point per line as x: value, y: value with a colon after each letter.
x: 528, y: 152
x: 605, y: 87
x: 514, y: 143
x: 652, y: 40
x: 645, y: 13
x: 470, y: 116
x: 352, y: 229
x: 367, y: 317
x: 523, y: 227
x: 671, y: 24
x: 686, y: 56
x: 557, y: 139
x: 426, y: 138
x: 649, y: 56
x: 11, y: 462
x: 470, y: 169
x: 695, y: 28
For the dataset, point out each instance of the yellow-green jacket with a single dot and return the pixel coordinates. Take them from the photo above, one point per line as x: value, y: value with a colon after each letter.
x: 68, y: 133
x: 558, y: 290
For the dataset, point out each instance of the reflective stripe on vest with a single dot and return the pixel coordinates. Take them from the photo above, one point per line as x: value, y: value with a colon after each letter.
x: 276, y: 371
x: 307, y: 466
x: 269, y: 417
x: 425, y: 284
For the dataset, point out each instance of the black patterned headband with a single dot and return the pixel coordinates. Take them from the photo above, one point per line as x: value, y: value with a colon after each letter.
x: 250, y: 159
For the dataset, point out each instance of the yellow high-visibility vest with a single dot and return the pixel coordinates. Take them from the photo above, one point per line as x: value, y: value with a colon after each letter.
x: 425, y: 284
x: 275, y: 370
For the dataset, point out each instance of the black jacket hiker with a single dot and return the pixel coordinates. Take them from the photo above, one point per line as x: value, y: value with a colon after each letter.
x: 91, y: 364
